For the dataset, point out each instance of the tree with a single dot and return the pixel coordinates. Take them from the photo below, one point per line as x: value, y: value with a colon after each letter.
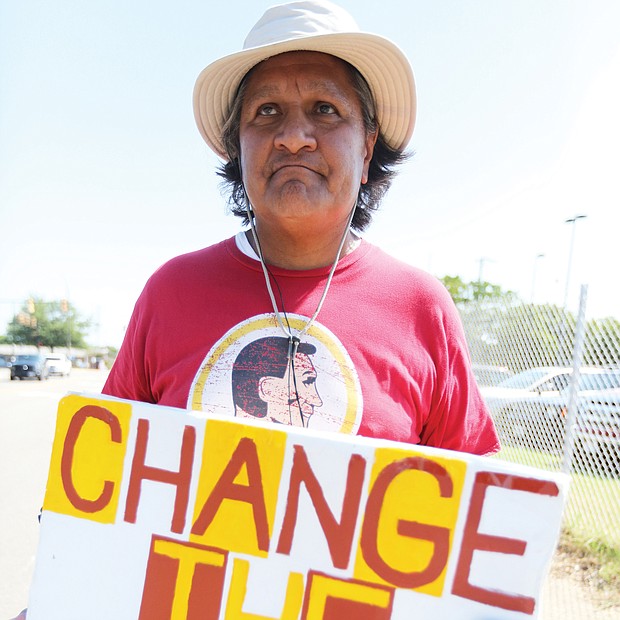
x: 476, y: 291
x: 48, y: 323
x: 602, y: 342
x: 531, y: 335
x: 457, y: 288
x: 501, y: 330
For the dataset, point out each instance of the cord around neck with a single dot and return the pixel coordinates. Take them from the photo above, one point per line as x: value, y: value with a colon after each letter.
x: 286, y: 329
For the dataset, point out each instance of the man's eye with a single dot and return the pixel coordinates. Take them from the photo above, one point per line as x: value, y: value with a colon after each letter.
x: 267, y: 110
x: 326, y: 108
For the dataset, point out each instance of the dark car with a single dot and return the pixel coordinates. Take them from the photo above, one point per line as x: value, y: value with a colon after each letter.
x: 30, y: 367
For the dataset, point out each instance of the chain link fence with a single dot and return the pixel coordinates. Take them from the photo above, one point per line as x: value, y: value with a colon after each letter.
x: 552, y: 382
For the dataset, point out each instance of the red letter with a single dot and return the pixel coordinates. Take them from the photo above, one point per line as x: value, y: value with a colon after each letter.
x: 474, y: 540
x: 244, y: 455
x: 66, y: 463
x: 439, y: 536
x: 183, y: 580
x: 339, y: 536
x: 181, y: 479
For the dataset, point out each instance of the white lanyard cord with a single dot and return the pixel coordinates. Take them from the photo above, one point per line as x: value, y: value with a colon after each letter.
x: 294, y: 340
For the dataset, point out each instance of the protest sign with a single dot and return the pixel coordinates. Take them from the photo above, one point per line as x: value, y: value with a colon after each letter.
x: 157, y: 513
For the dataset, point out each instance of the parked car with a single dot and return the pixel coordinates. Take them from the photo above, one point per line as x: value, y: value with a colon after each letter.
x: 525, y: 386
x: 29, y: 367
x: 490, y: 375
x: 597, y: 433
x: 530, y: 408
x: 59, y: 364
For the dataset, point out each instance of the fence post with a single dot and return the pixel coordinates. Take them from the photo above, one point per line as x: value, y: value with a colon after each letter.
x: 573, y: 398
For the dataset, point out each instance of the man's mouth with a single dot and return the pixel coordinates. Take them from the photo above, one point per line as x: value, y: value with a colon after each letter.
x: 292, y: 166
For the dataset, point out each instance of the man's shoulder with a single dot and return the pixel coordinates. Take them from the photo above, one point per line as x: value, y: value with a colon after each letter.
x: 397, y: 269
x: 191, y: 263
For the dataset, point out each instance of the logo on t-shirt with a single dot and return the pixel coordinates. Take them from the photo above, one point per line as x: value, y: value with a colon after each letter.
x: 255, y: 371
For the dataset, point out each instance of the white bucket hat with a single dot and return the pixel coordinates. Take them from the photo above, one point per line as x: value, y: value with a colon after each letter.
x: 320, y: 26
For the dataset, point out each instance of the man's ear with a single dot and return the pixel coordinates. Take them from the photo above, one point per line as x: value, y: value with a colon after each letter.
x: 371, y: 140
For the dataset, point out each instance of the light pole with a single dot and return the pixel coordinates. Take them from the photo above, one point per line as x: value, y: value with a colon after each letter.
x: 564, y: 357
x: 536, y: 259
x: 481, y: 289
x: 483, y: 259
x: 573, y: 220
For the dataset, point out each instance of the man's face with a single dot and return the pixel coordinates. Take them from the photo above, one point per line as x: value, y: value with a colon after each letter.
x: 292, y: 398
x: 304, y: 148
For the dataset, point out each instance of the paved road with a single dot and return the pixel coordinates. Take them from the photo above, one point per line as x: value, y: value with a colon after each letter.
x: 27, y: 418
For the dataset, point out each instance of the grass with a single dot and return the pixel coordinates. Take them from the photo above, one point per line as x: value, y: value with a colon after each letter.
x: 528, y: 456
x: 593, y: 564
x: 593, y: 510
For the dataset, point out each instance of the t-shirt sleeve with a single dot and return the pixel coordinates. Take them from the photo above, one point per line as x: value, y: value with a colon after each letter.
x: 128, y: 376
x: 459, y: 419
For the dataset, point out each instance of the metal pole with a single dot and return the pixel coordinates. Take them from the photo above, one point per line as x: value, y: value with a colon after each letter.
x: 563, y: 336
x: 573, y: 398
x: 573, y: 221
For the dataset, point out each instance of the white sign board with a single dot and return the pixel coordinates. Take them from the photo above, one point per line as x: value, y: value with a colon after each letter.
x: 155, y: 513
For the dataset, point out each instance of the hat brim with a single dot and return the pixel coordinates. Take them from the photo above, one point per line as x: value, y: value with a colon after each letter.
x: 381, y: 63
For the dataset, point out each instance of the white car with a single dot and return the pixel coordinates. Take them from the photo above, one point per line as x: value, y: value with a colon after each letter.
x: 487, y: 376
x: 597, y: 436
x: 528, y: 385
x: 546, y: 383
x: 59, y: 364
x: 530, y: 408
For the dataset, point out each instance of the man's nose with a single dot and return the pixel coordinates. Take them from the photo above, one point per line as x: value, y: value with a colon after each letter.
x: 296, y: 132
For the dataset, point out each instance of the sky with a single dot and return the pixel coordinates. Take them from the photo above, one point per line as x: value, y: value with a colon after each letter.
x: 104, y: 176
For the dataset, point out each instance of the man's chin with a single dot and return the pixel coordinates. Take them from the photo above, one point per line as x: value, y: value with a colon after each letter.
x: 297, y: 194
x: 297, y: 191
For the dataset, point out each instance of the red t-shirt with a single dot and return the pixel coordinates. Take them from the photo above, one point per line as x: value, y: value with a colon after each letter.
x: 386, y: 356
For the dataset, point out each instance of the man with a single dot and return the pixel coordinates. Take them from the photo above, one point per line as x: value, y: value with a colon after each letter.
x: 267, y: 383
x: 310, y: 119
